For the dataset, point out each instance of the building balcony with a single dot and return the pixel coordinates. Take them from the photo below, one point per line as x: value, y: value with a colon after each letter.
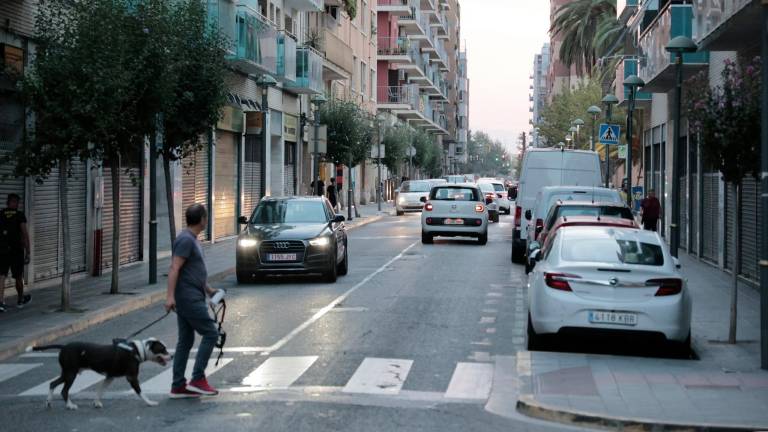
x: 255, y: 43
x: 445, y: 4
x: 305, y: 5
x: 626, y: 8
x: 723, y: 25
x: 657, y: 66
x: 442, y: 56
x: 625, y: 69
x: 286, y: 57
x: 428, y: 6
x: 221, y: 14
x: 439, y: 24
x: 463, y: 84
x: 415, y: 24
x: 463, y: 109
x: 339, y: 61
x: 395, y: 49
x: 395, y: 7
x: 309, y: 72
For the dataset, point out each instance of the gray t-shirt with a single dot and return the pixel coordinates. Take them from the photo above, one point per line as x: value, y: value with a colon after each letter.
x: 190, y: 288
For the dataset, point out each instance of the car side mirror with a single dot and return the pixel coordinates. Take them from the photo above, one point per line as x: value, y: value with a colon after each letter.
x: 339, y: 218
x: 535, y: 255
x: 397, y: 190
x: 423, y: 199
x: 528, y: 215
x: 677, y: 262
x: 513, y: 194
x: 242, y: 220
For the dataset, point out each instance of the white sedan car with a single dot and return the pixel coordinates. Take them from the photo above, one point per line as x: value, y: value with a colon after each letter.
x: 454, y: 210
x: 409, y: 196
x: 608, y: 279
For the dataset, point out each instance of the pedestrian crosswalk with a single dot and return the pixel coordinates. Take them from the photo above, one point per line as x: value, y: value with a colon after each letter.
x: 372, y: 376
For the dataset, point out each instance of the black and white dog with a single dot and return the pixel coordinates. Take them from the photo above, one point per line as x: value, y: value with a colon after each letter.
x: 122, y: 358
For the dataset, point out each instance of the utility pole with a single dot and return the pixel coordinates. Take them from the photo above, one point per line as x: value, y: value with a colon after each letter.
x: 764, y: 200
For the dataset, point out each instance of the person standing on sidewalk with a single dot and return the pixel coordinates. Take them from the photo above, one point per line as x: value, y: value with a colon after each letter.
x: 332, y: 194
x: 14, y: 250
x: 650, y: 211
x: 187, y: 290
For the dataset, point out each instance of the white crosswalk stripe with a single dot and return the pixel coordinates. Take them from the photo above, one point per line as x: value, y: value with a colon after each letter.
x: 84, y: 380
x: 470, y: 381
x: 10, y: 370
x: 161, y: 383
x: 277, y: 373
x: 379, y: 376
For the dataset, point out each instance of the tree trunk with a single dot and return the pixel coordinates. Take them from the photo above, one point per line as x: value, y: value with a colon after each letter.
x: 169, y: 197
x: 736, y: 264
x: 66, y: 289
x: 115, y: 171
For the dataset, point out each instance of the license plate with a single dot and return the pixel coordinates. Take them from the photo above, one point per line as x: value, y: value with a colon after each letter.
x: 281, y: 257
x: 454, y: 221
x: 620, y: 318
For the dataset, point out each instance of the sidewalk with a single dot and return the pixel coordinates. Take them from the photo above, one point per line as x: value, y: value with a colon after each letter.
x: 41, y: 322
x: 724, y: 390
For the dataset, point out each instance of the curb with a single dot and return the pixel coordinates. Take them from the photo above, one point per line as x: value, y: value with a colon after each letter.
x: 94, y: 318
x: 531, y: 408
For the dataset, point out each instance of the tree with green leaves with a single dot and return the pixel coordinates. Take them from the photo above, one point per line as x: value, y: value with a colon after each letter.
x: 487, y: 157
x: 396, y: 142
x: 348, y: 142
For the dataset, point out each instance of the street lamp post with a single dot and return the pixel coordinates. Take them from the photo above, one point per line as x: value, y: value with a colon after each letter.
x: 609, y: 100
x: 568, y: 138
x: 573, y: 131
x: 764, y: 201
x: 633, y: 82
x: 578, y: 123
x: 594, y: 111
x: 265, y: 81
x: 318, y: 100
x: 677, y: 46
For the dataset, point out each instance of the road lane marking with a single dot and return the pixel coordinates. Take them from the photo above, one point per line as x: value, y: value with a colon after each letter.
x: 161, y: 383
x: 10, y: 370
x: 84, y: 380
x: 319, y: 314
x: 277, y: 373
x: 471, y: 381
x: 379, y: 376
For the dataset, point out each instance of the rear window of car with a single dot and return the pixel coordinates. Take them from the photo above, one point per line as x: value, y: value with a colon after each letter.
x: 415, y: 187
x: 454, y: 194
x: 486, y: 187
x: 611, y: 250
x: 498, y: 187
x: 571, y: 210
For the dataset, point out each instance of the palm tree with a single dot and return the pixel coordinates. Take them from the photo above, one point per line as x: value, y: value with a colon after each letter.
x: 589, y: 31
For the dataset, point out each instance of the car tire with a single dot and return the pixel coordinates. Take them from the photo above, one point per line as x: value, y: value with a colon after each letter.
x: 427, y: 238
x: 399, y: 212
x: 518, y: 253
x: 482, y: 240
x: 535, y: 341
x: 684, y: 348
x: 494, y: 216
x: 344, y: 266
x: 332, y: 274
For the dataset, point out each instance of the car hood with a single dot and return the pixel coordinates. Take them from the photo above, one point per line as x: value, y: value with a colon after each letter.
x: 285, y: 231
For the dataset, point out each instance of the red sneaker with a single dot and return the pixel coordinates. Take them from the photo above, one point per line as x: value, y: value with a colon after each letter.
x: 183, y: 393
x: 202, y: 387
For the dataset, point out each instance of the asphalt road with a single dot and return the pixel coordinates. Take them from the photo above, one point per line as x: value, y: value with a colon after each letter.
x: 407, y: 341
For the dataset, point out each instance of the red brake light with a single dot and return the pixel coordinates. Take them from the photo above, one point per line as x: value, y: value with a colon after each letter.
x: 428, y: 207
x: 559, y: 281
x: 667, y: 287
x: 518, y: 215
x: 479, y: 208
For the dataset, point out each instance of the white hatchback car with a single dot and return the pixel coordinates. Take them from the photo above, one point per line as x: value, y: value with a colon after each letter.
x: 454, y: 210
x: 609, y: 279
x: 409, y: 195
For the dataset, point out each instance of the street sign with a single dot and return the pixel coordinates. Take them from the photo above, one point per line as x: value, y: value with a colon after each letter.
x: 623, y: 151
x: 322, y: 143
x: 609, y: 134
x: 375, y: 152
x: 637, y: 197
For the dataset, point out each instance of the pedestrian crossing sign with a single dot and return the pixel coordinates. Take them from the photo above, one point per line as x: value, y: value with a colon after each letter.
x: 609, y: 134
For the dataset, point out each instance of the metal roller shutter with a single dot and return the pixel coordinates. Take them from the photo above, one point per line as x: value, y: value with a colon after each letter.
x: 711, y: 216
x: 130, y: 218
x: 288, y: 179
x: 225, y: 196
x: 194, y: 183
x: 251, y: 174
x: 683, y: 213
x: 750, y: 228
x: 46, y: 208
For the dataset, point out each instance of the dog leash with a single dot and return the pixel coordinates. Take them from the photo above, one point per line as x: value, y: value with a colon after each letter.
x: 134, y: 334
x: 222, y: 335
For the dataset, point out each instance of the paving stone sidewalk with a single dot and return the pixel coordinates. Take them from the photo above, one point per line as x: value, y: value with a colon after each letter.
x: 42, y: 322
x: 724, y: 390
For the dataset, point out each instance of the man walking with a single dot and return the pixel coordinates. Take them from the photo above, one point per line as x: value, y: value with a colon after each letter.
x: 14, y: 250
x: 187, y: 289
x: 332, y: 194
x: 650, y: 211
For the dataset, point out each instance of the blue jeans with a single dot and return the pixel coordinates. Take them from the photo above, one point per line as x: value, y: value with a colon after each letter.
x: 188, y: 325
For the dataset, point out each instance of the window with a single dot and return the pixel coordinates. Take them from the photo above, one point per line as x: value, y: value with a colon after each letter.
x: 253, y: 148
x: 290, y: 153
x: 451, y: 193
x: 415, y: 186
x: 373, y: 84
x: 615, y: 250
x: 363, y: 78
x: 355, y: 73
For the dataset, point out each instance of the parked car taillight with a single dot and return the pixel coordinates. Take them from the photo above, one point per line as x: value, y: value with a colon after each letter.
x: 518, y: 215
x: 667, y: 287
x: 428, y: 207
x: 479, y: 208
x: 559, y: 281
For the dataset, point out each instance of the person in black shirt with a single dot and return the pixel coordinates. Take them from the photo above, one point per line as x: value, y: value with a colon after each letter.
x: 332, y: 195
x: 14, y: 249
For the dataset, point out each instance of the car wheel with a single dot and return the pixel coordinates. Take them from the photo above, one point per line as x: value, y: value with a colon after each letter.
x: 684, y: 347
x: 518, y: 253
x: 344, y: 266
x: 426, y: 238
x: 244, y: 277
x: 483, y: 239
x: 399, y: 212
x: 535, y: 341
x: 332, y: 274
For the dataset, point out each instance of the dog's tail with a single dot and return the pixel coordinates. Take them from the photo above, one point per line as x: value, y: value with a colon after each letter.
x: 43, y: 347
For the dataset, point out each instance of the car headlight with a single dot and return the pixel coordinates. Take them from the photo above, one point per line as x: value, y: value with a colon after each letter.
x: 248, y: 242
x: 401, y: 199
x: 320, y: 241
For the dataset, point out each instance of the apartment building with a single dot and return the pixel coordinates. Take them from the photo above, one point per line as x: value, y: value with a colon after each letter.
x: 707, y: 203
x: 418, y: 68
x: 539, y: 86
x: 559, y: 76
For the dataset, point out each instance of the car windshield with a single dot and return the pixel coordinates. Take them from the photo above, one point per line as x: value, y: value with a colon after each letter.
x: 410, y: 186
x: 572, y: 210
x: 498, y: 187
x: 454, y: 194
x: 289, y: 211
x: 611, y: 250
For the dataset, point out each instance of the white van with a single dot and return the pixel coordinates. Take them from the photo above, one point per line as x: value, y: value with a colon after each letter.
x: 544, y: 167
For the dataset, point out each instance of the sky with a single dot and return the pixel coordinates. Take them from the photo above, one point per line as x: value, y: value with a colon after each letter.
x: 502, y: 37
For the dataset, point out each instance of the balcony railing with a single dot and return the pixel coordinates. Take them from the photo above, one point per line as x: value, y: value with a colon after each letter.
x: 286, y: 57
x: 394, y: 46
x: 656, y: 64
x: 722, y: 25
x: 221, y: 15
x: 396, y: 7
x: 309, y: 72
x: 255, y: 42
x: 338, y: 52
x: 305, y: 5
x: 399, y: 95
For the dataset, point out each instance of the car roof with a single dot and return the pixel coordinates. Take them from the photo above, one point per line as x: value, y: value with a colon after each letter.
x: 553, y: 189
x: 455, y: 185
x: 603, y: 221
x: 590, y: 232
x: 553, y: 149
x: 293, y: 198
x: 567, y: 203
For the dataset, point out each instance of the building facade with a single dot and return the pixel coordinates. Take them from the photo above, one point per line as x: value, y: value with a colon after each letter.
x: 559, y: 76
x: 539, y: 88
